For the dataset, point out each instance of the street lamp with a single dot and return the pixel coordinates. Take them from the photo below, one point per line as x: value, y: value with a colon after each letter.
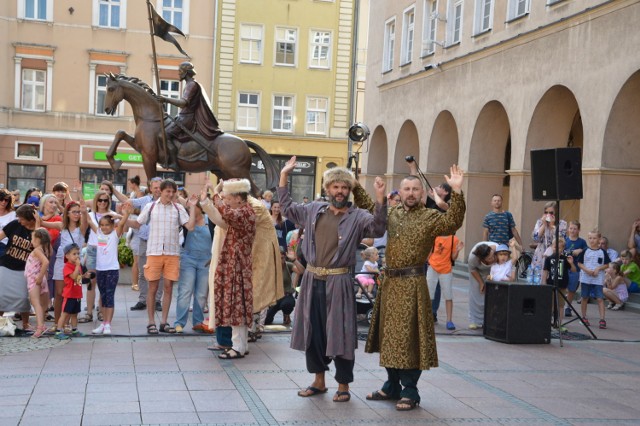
x: 359, y: 133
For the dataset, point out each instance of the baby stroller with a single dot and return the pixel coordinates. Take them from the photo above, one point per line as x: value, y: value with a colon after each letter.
x: 364, y: 305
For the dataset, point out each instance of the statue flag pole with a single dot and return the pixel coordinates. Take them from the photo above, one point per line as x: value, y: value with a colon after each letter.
x: 151, y: 13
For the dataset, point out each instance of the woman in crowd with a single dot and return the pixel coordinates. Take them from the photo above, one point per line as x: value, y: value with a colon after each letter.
x: 544, y: 232
x: 13, y: 289
x: 31, y: 192
x: 194, y: 270
x: 72, y: 230
x: 7, y: 214
x: 107, y: 186
x: 482, y: 256
x: 283, y: 226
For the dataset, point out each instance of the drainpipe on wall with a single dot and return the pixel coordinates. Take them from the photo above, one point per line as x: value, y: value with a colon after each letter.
x: 354, y: 73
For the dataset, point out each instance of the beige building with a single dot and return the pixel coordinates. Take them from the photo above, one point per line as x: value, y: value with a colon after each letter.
x: 281, y: 75
x: 481, y: 83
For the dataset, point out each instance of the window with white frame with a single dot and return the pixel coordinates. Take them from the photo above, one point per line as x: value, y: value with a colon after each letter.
x: 110, y: 13
x: 33, y: 89
x: 251, y: 43
x: 408, y: 29
x: 39, y: 10
x: 170, y: 89
x: 484, y: 16
x: 320, y: 49
x: 429, y: 26
x: 282, y: 114
x: 248, y: 111
x: 389, y: 44
x: 517, y: 8
x: 454, y: 22
x: 28, y: 151
x: 101, y: 93
x: 317, y: 116
x: 286, y: 40
x: 176, y: 12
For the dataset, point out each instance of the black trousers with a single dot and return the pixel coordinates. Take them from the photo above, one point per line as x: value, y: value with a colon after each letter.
x: 286, y: 305
x: 402, y: 383
x: 317, y: 361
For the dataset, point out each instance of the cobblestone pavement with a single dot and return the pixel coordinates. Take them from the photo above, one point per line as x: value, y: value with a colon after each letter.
x: 130, y: 378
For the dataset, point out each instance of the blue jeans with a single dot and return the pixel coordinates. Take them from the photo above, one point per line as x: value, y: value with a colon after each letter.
x: 223, y: 336
x: 194, y: 283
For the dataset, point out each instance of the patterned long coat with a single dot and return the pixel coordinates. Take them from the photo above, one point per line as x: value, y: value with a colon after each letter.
x: 355, y: 225
x: 402, y: 322
x: 233, y: 291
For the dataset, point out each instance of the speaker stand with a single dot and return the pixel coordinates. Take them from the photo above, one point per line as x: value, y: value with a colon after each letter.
x: 556, y: 289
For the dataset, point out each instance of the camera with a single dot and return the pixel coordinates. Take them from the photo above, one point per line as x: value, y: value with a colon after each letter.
x: 409, y: 159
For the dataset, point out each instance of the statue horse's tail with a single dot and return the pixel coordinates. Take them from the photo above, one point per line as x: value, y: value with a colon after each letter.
x: 269, y: 165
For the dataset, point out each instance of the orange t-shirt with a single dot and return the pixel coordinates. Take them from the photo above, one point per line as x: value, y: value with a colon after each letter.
x: 440, y: 257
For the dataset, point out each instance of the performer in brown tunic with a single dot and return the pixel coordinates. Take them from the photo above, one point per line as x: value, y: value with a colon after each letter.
x: 233, y: 290
x: 325, y: 316
x: 402, y: 322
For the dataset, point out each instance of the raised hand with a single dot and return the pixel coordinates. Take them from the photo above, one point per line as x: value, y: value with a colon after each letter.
x: 379, y: 186
x: 193, y: 200
x: 289, y: 165
x: 455, y: 178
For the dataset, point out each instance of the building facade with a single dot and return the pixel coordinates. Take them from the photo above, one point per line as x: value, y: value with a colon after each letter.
x: 481, y: 83
x: 279, y: 74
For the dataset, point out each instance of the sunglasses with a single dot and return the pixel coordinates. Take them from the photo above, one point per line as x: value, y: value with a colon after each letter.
x: 103, y: 200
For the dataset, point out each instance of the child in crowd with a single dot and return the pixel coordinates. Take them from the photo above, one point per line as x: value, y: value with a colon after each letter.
x: 566, y: 265
x: 615, y: 288
x: 36, y: 273
x: 441, y: 259
x: 370, y: 256
x: 504, y: 269
x: 574, y: 245
x: 630, y: 271
x: 592, y: 263
x: 107, y: 265
x: 72, y: 292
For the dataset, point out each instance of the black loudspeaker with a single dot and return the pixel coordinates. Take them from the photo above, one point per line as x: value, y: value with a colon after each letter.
x: 556, y: 174
x: 517, y: 313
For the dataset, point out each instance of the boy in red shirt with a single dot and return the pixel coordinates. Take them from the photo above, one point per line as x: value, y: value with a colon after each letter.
x: 72, y: 292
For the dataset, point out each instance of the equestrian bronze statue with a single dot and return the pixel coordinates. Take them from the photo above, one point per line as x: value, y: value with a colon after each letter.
x: 194, y: 142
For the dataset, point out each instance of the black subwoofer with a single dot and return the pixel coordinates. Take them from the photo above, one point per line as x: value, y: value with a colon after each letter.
x: 517, y: 313
x: 556, y: 174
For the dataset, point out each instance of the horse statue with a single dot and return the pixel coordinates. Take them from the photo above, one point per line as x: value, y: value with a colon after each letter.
x: 227, y: 156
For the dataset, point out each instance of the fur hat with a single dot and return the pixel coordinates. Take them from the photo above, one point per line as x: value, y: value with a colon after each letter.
x: 338, y: 174
x: 236, y: 186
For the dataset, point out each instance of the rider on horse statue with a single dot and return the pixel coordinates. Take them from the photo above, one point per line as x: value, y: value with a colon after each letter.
x: 194, y: 119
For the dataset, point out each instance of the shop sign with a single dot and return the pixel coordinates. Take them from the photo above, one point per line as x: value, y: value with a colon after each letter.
x: 132, y: 157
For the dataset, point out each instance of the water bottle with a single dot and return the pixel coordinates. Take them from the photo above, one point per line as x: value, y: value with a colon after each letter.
x: 529, y: 275
x: 537, y: 275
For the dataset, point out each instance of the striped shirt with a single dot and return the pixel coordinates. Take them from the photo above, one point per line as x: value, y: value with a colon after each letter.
x: 164, y: 227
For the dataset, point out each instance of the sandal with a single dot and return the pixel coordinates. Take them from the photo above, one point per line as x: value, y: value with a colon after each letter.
x: 253, y: 337
x: 342, y: 396
x: 311, y: 391
x: 100, y: 317
x: 409, y: 404
x: 166, y: 328
x: 378, y: 396
x: 230, y: 354
x: 152, y: 329
x: 218, y: 348
x: 86, y: 318
x: 39, y: 331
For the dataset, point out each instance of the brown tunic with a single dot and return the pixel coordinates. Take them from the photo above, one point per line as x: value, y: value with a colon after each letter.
x: 402, y: 322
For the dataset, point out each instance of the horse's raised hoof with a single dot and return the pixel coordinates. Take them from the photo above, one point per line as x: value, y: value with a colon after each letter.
x: 116, y: 165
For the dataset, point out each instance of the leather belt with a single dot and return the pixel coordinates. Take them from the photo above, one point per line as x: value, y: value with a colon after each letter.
x: 321, y: 271
x: 409, y: 271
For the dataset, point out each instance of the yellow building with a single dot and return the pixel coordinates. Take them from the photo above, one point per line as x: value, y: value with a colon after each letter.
x: 280, y: 76
x: 283, y: 78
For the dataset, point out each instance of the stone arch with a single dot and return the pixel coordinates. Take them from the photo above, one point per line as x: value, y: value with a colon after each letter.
x: 556, y: 123
x: 443, y: 145
x: 489, y: 159
x: 377, y: 158
x: 408, y: 143
x: 621, y: 164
